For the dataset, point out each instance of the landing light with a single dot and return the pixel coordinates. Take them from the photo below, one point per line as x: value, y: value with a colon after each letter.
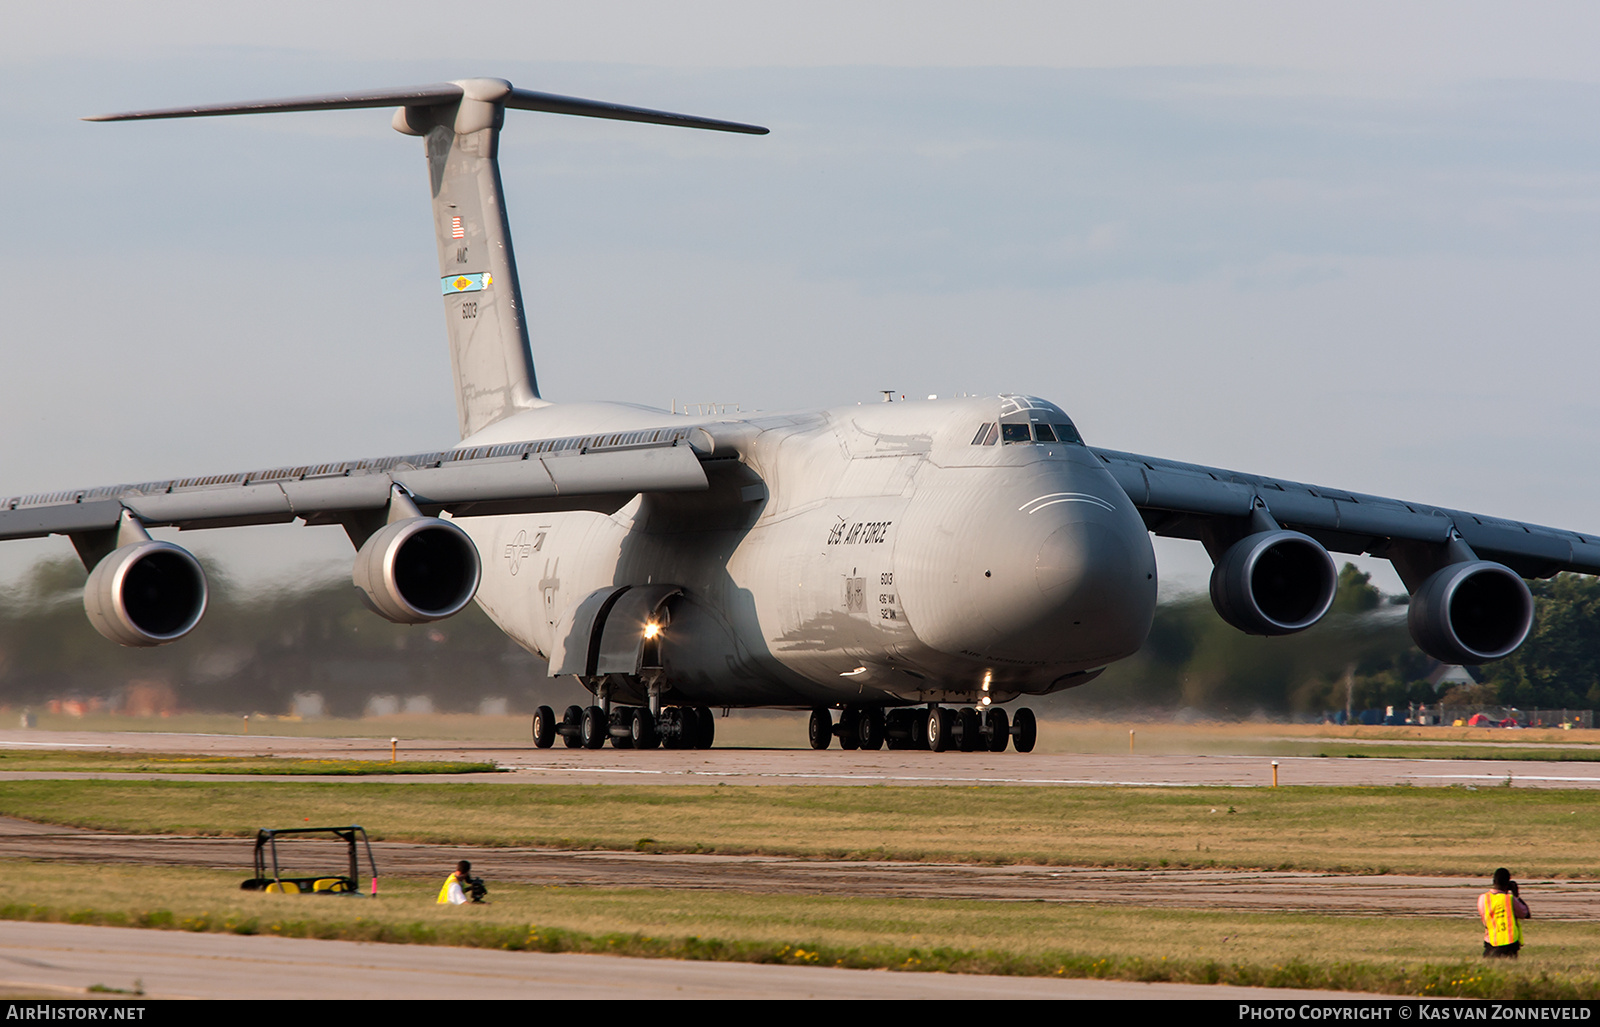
x: 652, y: 630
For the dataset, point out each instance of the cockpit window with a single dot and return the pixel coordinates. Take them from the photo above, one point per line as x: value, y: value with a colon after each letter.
x: 1028, y: 419
x: 986, y: 435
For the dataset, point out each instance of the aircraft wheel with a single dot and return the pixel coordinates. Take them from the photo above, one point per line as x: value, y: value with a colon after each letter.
x: 967, y: 729
x: 572, y: 724
x: 544, y: 727
x: 849, y: 725
x: 940, y: 728
x: 596, y: 727
x: 821, y: 728
x: 670, y: 727
x: 919, y: 731
x: 869, y: 728
x: 644, y: 729
x: 708, y: 726
x: 1024, y: 730
x: 898, y: 732
x: 999, y: 730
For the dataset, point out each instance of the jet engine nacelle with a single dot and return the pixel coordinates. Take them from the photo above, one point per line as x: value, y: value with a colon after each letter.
x: 144, y: 594
x: 417, y: 570
x: 1274, y: 583
x: 1471, y: 612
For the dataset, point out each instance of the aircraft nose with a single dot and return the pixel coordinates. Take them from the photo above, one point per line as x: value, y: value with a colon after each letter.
x: 1091, y: 596
x: 1053, y: 570
x: 1098, y: 589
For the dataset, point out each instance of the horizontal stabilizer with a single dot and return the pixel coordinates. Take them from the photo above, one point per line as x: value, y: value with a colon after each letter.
x: 526, y: 100
x: 489, y: 90
x: 417, y: 96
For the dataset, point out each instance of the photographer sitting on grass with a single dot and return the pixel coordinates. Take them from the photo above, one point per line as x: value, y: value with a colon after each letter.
x: 461, y: 887
x: 1502, y: 911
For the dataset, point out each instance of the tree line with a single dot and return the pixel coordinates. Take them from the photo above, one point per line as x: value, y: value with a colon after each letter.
x: 1359, y: 657
x: 254, y: 650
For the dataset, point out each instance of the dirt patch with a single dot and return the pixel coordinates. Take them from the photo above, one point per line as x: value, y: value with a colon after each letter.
x: 1245, y: 891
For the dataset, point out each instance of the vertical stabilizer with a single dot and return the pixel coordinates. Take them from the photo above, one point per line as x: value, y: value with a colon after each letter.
x: 460, y: 123
x: 484, y: 313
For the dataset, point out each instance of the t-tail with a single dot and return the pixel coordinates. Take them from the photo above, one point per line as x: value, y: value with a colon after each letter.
x: 460, y: 123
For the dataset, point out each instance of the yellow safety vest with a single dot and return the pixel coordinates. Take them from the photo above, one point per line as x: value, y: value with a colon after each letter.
x: 444, y: 893
x: 1500, y: 917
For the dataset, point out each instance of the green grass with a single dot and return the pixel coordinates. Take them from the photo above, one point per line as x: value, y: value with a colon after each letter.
x: 1447, y: 751
x: 76, y: 760
x: 1353, y: 830
x: 1411, y: 956
x: 401, y: 725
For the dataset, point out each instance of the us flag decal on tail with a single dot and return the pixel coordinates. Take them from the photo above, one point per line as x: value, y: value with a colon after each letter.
x: 456, y: 231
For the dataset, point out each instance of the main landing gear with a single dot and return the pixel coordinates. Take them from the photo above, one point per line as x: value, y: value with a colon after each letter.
x: 938, y: 728
x: 628, y: 727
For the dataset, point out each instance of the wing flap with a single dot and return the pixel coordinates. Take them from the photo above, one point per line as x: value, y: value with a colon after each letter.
x: 310, y: 496
x: 60, y: 519
x: 213, y: 506
x: 662, y: 470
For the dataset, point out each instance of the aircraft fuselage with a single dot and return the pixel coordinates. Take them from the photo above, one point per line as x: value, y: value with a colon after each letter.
x: 884, y: 553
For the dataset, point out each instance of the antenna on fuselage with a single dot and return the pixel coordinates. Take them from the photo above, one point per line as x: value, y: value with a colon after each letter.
x: 460, y: 122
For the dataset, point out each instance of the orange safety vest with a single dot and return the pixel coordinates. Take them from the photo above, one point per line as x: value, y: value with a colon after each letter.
x: 1499, y: 913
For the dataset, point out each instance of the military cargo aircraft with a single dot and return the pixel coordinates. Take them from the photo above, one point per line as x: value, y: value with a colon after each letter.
x: 913, y: 566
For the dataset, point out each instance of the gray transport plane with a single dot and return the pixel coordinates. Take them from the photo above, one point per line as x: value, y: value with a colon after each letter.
x: 913, y: 566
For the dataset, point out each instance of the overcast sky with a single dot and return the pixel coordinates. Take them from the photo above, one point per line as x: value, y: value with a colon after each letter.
x: 1348, y: 243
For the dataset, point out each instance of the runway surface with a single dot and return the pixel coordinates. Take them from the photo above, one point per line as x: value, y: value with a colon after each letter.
x: 62, y: 960
x: 833, y: 767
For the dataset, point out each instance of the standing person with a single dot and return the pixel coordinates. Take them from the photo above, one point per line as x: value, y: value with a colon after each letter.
x: 1503, y: 911
x: 453, y: 892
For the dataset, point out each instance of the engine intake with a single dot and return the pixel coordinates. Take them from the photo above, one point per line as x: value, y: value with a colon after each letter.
x: 1273, y: 583
x: 1471, y: 612
x: 417, y: 570
x: 144, y: 594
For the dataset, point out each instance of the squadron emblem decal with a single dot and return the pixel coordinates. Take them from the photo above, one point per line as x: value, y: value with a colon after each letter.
x: 452, y: 284
x: 519, y: 549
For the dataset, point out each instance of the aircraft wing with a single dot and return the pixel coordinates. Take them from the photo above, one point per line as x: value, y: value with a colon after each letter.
x: 598, y: 472
x: 1188, y: 500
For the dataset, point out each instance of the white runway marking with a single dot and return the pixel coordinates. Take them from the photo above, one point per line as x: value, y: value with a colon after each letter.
x: 1514, y: 778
